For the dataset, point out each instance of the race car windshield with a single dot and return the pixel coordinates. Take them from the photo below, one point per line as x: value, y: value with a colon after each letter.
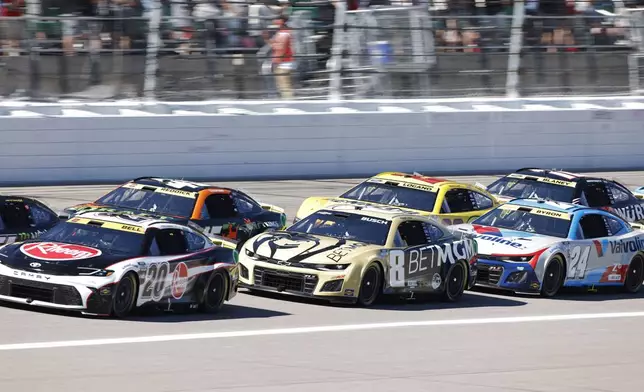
x: 518, y: 188
x: 392, y: 195
x: 344, y: 225
x: 117, y: 242
x: 150, y: 201
x: 525, y: 221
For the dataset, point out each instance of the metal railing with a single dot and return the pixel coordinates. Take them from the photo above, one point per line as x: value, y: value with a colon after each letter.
x: 173, y: 52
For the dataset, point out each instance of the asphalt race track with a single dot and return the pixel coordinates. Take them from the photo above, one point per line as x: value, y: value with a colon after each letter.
x: 487, y: 342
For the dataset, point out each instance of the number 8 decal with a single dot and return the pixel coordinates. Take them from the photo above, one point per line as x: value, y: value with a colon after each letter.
x: 397, y: 268
x: 578, y: 262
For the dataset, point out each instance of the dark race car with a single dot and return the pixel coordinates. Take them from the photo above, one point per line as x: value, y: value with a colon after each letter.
x: 567, y: 187
x: 109, y: 264
x: 220, y: 211
x: 22, y: 218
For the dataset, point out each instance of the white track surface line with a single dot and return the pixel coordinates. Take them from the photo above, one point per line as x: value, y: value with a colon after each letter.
x: 318, y: 329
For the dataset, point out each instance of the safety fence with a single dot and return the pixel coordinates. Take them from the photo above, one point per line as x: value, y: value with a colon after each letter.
x: 173, y: 50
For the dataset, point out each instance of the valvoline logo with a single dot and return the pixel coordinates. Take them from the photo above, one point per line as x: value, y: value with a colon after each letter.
x: 494, y: 235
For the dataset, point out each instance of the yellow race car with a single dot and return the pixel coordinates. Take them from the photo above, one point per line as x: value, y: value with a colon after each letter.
x: 451, y: 202
x: 352, y: 254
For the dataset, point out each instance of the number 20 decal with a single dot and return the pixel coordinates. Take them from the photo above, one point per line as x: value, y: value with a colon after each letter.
x: 155, y: 281
x: 397, y: 268
x: 578, y: 262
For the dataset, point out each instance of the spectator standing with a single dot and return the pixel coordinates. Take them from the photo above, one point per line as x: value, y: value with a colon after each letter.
x: 11, y: 31
x: 281, y: 43
x: 72, y: 28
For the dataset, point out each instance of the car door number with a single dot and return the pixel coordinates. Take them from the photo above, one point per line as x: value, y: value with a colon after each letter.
x: 397, y: 268
x: 155, y: 281
x: 578, y: 262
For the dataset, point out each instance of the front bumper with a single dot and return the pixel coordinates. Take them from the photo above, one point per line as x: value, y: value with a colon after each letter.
x: 335, y: 286
x: 517, y: 277
x: 53, y: 291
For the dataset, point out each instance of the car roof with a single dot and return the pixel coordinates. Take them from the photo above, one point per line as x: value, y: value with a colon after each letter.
x: 431, y: 183
x: 179, y: 184
x: 554, y: 174
x: 546, y: 204
x: 125, y: 219
x: 373, y: 211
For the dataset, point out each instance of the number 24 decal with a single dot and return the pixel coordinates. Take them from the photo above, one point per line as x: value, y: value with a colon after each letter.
x: 578, y: 262
x: 155, y: 281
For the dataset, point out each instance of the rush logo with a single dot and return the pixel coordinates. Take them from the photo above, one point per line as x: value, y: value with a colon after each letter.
x: 58, y: 252
x: 626, y: 246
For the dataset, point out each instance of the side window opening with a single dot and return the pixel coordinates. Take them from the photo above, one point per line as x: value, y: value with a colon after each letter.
x: 244, y: 205
x: 412, y: 233
x: 596, y: 194
x: 195, y: 242
x: 15, y: 216
x: 615, y: 227
x: 617, y: 193
x: 39, y: 215
x: 459, y: 200
x: 433, y: 232
x: 221, y: 206
x: 170, y: 242
x: 481, y: 202
x: 593, y: 226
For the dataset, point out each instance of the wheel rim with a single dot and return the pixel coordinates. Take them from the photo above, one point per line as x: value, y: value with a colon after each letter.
x: 455, y: 282
x: 369, y: 283
x: 123, y: 297
x: 215, y: 293
x: 553, y: 275
x: 635, y: 274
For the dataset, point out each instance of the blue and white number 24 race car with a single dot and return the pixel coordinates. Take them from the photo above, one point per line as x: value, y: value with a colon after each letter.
x: 538, y: 246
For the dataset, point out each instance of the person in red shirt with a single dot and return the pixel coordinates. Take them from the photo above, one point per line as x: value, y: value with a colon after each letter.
x: 11, y: 31
x: 283, y: 58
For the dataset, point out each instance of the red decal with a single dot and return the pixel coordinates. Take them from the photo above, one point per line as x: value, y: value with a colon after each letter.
x: 179, y: 280
x: 614, y: 274
x: 598, y: 246
x: 429, y: 180
x: 53, y: 251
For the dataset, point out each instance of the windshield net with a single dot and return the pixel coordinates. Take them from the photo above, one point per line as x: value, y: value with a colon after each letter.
x: 393, y: 195
x: 150, y: 200
x: 107, y: 240
x: 344, y: 225
x: 518, y: 188
x: 538, y: 221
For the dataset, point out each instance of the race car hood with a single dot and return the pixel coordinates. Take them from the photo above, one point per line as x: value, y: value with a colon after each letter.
x: 55, y: 258
x: 502, y: 242
x: 313, y: 204
x: 639, y: 192
x: 290, y: 247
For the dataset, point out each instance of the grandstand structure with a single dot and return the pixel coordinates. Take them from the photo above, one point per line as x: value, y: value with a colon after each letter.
x: 178, y: 50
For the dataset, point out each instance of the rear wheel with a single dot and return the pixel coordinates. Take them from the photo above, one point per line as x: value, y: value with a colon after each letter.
x: 370, y: 285
x: 455, y: 282
x: 124, y: 297
x: 634, y: 275
x: 553, y: 278
x: 215, y: 292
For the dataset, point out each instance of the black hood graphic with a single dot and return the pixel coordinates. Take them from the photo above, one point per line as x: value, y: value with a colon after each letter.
x: 296, y: 240
x: 12, y: 256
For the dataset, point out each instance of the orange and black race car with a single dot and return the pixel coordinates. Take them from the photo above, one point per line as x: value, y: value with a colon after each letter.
x: 218, y: 211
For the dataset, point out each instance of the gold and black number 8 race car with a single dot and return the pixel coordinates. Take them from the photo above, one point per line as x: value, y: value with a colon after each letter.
x: 354, y: 254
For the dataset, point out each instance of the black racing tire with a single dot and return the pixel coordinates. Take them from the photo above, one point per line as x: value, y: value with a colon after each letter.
x: 553, y: 277
x: 124, y: 297
x: 455, y: 282
x: 215, y: 293
x: 370, y: 285
x: 634, y: 275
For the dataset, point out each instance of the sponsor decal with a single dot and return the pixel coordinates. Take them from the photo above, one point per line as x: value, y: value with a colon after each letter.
x: 614, y: 274
x: 339, y: 253
x: 377, y: 206
x: 436, y: 281
x: 373, y: 220
x: 544, y: 179
x: 179, y: 280
x: 24, y: 274
x: 626, y: 246
x: 426, y: 260
x: 349, y: 292
x: 600, y: 248
x: 35, y: 265
x: 499, y: 240
x: 419, y: 187
x: 52, y: 251
x: 632, y: 213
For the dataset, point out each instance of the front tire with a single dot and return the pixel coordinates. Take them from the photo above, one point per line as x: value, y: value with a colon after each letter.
x: 455, y: 282
x: 553, y: 277
x: 124, y: 297
x: 634, y: 275
x: 370, y: 285
x: 214, y: 294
